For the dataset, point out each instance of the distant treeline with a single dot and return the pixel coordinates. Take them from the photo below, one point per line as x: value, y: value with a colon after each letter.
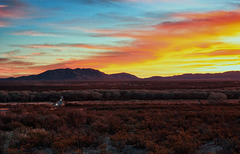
x: 92, y: 95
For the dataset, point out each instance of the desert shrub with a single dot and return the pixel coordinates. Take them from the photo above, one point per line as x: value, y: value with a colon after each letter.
x: 19, y: 96
x: 24, y: 96
x: 4, y: 97
x: 230, y: 94
x: 111, y: 95
x: 72, y: 95
x: 126, y: 95
x: 8, y: 117
x: 113, y: 123
x: 181, y: 95
x: 199, y: 95
x: 100, y: 125
x: 13, y: 125
x: 115, y: 95
x: 236, y: 93
x: 18, y: 137
x: 3, y: 139
x: 163, y: 95
x: 31, y: 97
x: 49, y: 122
x: 87, y: 140
x: 25, y: 138
x: 81, y: 95
x: 39, y: 138
x: 95, y: 96
x: 120, y: 139
x: 150, y: 95
x: 215, y: 98
x: 190, y: 95
x: 41, y: 96
x: 140, y: 95
x: 28, y: 120
x: 14, y: 96
x: 75, y: 118
x: 17, y: 109
x: 53, y: 96
x: 63, y: 144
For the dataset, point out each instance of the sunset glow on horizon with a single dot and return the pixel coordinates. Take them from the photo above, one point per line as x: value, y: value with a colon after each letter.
x: 142, y: 37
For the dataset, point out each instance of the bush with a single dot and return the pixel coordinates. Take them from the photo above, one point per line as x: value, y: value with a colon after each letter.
x: 126, y: 95
x: 141, y: 95
x: 93, y: 95
x: 75, y: 119
x: 4, y: 96
x: 215, y: 98
x: 163, y: 95
x: 39, y: 138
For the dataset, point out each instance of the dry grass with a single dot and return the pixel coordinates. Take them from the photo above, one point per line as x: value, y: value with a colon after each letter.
x: 115, y: 126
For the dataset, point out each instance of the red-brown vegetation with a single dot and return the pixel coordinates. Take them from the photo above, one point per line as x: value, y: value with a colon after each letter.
x: 214, y: 96
x: 120, y: 127
x: 121, y: 85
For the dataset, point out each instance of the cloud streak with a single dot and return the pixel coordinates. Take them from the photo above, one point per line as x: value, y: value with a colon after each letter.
x: 34, y: 33
x: 12, y: 9
x: 65, y: 45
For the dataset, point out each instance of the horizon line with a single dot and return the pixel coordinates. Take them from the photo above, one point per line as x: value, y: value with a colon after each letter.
x: 124, y: 72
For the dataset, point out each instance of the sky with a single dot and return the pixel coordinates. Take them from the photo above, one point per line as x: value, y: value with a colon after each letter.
x: 142, y: 37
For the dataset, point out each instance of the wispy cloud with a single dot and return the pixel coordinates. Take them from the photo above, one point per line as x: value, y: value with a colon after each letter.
x: 3, y: 24
x: 10, y: 53
x: 11, y: 67
x: 13, y: 9
x: 117, y: 1
x: 18, y: 55
x: 65, y: 45
x: 35, y: 33
x: 3, y: 6
x: 5, y: 62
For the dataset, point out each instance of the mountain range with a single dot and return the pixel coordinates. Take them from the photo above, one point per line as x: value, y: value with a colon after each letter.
x: 92, y: 74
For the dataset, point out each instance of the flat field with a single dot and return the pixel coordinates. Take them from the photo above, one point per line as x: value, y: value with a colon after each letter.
x: 120, y: 85
x: 121, y: 117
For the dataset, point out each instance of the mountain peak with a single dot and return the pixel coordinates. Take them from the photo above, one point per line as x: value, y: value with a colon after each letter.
x: 124, y: 76
x: 67, y: 74
x: 76, y: 74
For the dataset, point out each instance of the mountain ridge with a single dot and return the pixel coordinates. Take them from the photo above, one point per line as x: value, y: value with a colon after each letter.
x: 93, y: 74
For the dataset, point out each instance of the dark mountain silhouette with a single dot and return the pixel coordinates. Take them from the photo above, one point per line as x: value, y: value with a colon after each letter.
x: 123, y: 76
x: 231, y: 75
x: 156, y: 78
x: 92, y: 74
x: 68, y: 74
